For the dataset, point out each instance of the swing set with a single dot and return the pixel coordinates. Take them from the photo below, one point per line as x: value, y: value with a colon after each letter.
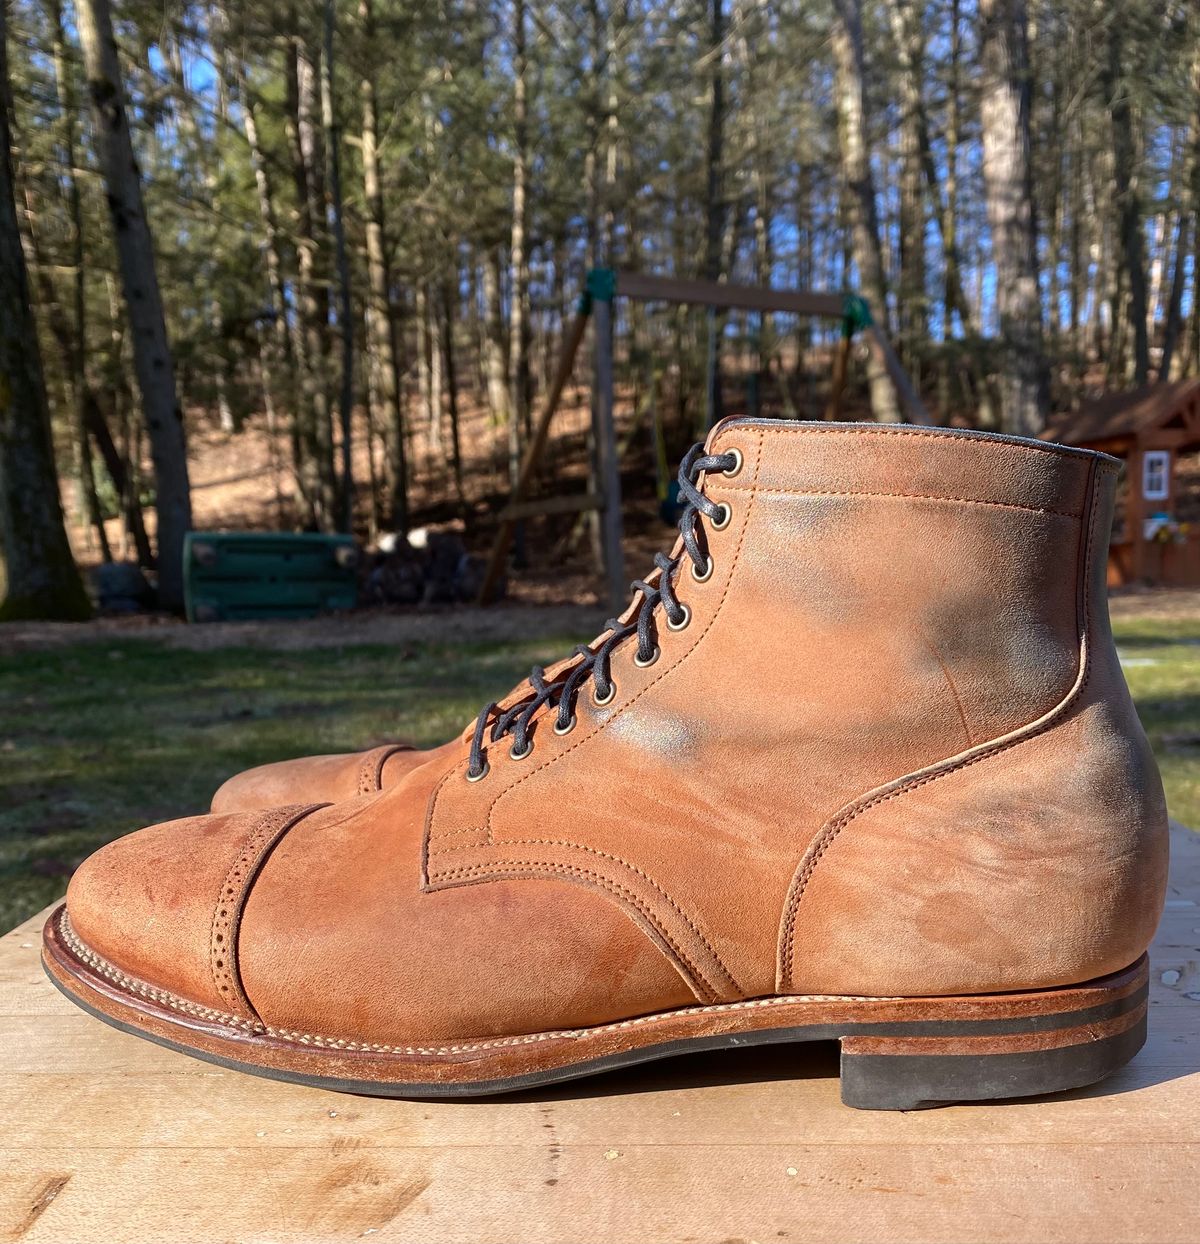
x: 602, y: 288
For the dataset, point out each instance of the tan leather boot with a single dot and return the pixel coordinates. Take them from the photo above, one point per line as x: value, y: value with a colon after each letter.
x: 857, y: 763
x: 321, y: 779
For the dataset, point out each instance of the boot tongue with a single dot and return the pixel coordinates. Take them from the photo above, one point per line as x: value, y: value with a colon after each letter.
x: 717, y: 428
x: 523, y: 690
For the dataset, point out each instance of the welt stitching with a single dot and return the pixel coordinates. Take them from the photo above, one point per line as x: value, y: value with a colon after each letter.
x: 830, y: 833
x: 770, y: 491
x: 132, y: 985
x: 606, y: 883
x: 616, y: 859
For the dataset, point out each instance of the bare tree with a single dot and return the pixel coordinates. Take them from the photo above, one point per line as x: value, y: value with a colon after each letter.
x: 40, y: 579
x: 152, y: 359
x: 860, y: 189
x: 381, y: 333
x: 1004, y: 110
x: 715, y: 207
x: 333, y: 191
x: 519, y: 374
x: 1128, y: 196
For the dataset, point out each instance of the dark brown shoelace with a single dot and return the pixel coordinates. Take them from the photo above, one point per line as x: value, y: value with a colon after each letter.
x: 595, y: 662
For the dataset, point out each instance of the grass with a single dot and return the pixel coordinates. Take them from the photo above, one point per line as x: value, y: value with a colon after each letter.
x: 100, y: 738
x: 1161, y: 657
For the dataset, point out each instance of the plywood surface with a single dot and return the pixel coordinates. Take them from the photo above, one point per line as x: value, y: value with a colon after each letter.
x: 107, y: 1138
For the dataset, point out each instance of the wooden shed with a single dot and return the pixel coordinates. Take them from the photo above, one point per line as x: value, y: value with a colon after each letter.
x: 1155, y: 431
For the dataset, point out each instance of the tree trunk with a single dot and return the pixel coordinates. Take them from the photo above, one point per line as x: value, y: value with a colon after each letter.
x: 906, y: 30
x: 495, y: 366
x: 275, y: 356
x: 67, y: 114
x: 914, y: 137
x: 1004, y: 108
x: 1185, y: 233
x: 860, y: 188
x: 448, y: 309
x: 519, y: 376
x: 94, y: 423
x: 152, y: 360
x: 40, y: 576
x: 383, y: 359
x: 345, y: 316
x: 715, y: 207
x: 312, y: 439
x: 1128, y: 196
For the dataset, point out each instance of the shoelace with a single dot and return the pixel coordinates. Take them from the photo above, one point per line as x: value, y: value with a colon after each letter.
x: 595, y: 662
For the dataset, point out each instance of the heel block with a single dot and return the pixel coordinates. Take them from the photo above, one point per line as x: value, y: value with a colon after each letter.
x: 1075, y: 1037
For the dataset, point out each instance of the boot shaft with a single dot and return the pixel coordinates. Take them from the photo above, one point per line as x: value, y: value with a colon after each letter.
x: 883, y: 607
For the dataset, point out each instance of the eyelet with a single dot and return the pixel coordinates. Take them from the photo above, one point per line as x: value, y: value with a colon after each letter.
x: 739, y: 462
x: 478, y: 777
x: 645, y: 665
x: 561, y: 730
x: 703, y: 576
x: 516, y: 755
x: 687, y: 617
x: 608, y: 699
x: 719, y: 524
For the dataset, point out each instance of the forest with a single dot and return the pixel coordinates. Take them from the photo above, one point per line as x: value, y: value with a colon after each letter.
x: 357, y: 231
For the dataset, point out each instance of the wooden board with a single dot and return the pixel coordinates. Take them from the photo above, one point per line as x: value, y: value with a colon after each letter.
x: 108, y: 1138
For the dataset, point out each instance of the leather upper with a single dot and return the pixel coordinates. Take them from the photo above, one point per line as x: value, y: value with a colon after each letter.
x: 321, y: 779
x: 890, y: 752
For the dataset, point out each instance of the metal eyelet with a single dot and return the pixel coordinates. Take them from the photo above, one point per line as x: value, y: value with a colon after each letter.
x: 703, y: 576
x: 608, y: 699
x: 678, y: 626
x: 561, y: 730
x: 478, y: 777
x: 719, y: 524
x: 646, y: 664
x: 516, y: 755
x: 739, y: 462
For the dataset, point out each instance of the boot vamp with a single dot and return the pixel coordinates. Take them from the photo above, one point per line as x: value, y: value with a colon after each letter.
x: 339, y: 938
x: 323, y: 779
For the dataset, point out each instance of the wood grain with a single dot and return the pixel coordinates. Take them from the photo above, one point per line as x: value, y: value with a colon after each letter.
x: 108, y: 1138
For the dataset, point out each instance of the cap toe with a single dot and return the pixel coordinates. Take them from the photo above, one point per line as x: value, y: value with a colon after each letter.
x: 148, y: 903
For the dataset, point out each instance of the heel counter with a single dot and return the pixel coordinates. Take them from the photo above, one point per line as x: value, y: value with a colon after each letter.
x: 1118, y: 741
x: 1038, y: 860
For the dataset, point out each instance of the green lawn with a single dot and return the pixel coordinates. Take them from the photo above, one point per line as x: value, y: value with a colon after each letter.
x: 99, y: 738
x: 1161, y: 657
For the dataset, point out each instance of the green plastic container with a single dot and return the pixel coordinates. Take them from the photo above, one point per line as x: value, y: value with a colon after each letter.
x: 239, y: 575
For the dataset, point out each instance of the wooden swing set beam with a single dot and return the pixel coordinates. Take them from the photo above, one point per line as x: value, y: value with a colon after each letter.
x: 645, y: 288
x: 603, y: 287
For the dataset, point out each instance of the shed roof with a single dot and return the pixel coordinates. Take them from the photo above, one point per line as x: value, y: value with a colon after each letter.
x: 1128, y: 413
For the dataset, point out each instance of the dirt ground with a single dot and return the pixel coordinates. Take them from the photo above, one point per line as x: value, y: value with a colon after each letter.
x: 464, y: 624
x: 1157, y: 604
x: 518, y: 620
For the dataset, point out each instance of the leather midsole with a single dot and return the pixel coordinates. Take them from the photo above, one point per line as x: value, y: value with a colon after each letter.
x: 1035, y: 1020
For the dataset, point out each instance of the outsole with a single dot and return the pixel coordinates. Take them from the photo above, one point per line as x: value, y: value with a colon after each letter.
x: 896, y: 1053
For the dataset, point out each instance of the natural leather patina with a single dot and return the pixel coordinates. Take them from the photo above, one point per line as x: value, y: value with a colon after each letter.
x: 321, y: 779
x: 891, y: 753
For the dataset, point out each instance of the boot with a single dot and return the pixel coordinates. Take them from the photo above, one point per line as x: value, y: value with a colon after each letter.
x: 858, y: 762
x: 320, y: 779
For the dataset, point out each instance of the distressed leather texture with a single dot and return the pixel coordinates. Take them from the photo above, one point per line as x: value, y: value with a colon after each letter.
x: 321, y: 779
x: 891, y: 752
